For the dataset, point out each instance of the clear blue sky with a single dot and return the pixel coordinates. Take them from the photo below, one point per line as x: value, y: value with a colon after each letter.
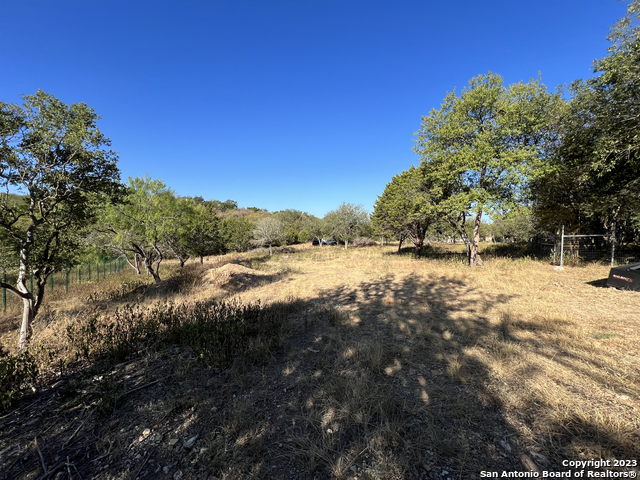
x: 284, y: 103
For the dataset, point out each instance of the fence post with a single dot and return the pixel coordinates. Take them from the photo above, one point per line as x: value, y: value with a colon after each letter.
x: 4, y: 291
x: 562, y: 245
x: 613, y: 245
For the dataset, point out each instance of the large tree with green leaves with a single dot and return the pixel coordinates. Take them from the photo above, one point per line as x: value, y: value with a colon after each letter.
x: 405, y: 209
x: 54, y: 155
x: 481, y: 147
x: 138, y: 227
x: 593, y: 180
x: 347, y: 222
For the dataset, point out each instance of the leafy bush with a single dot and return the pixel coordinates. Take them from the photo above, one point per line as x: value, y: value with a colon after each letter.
x: 15, y: 371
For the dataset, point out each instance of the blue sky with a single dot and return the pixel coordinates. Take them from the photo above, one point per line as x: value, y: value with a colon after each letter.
x: 284, y: 103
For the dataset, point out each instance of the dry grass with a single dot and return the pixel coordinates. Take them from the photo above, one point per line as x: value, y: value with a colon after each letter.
x: 402, y: 368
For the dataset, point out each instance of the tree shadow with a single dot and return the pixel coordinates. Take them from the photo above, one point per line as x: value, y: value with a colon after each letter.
x: 388, y: 378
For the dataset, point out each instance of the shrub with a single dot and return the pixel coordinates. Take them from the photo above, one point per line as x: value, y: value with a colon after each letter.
x: 15, y: 371
x: 364, y: 242
x: 218, y: 331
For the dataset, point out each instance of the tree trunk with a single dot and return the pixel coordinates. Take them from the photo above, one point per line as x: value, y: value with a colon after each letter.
x: 25, y: 327
x: 201, y: 259
x: 474, y: 258
x: 346, y: 244
x: 181, y: 263
x: 400, y: 244
x: 148, y: 265
x: 27, y: 303
x: 465, y: 239
x: 418, y: 244
x: 270, y: 250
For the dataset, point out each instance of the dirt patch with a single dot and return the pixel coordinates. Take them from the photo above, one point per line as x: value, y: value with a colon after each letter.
x: 235, y: 278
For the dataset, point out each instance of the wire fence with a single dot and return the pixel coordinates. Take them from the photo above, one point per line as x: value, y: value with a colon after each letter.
x: 71, y: 276
x: 567, y: 249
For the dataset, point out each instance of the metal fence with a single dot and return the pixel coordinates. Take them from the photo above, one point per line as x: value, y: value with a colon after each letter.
x: 572, y: 249
x: 77, y: 275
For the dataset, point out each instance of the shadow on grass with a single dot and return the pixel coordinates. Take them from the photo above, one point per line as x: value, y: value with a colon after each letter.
x: 602, y: 283
x: 382, y: 379
x: 487, y: 251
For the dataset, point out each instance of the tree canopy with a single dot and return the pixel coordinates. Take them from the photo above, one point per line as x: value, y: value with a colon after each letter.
x: 405, y: 209
x: 593, y: 180
x: 481, y: 147
x: 347, y: 222
x: 54, y: 155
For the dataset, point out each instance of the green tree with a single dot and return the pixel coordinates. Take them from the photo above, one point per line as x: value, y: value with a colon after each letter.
x: 294, y: 224
x: 518, y: 225
x: 236, y: 233
x: 347, y: 222
x: 55, y: 155
x: 316, y: 228
x: 593, y: 180
x: 204, y: 236
x: 177, y: 227
x: 405, y: 208
x: 137, y: 227
x: 481, y: 147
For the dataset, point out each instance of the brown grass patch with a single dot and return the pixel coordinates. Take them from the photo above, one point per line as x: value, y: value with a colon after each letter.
x: 391, y: 368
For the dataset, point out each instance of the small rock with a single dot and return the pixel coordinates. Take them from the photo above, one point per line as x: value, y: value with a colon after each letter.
x: 177, y: 475
x: 165, y: 469
x: 189, y: 443
x: 540, y: 458
x: 354, y: 468
x: 173, y: 441
x: 36, y: 420
x: 214, y: 409
x: 157, y: 437
x: 505, y: 444
x: 202, y: 450
x: 623, y: 397
x: 146, y: 432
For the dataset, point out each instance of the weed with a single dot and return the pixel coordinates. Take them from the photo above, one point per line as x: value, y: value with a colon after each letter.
x: 15, y: 371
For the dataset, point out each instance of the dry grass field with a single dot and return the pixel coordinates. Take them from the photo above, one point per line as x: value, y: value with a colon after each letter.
x: 385, y: 367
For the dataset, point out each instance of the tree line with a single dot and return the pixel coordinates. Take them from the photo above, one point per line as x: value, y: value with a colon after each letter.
x: 531, y: 159
x: 62, y: 201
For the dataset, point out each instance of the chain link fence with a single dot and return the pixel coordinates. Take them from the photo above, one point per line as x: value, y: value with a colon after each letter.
x: 566, y: 249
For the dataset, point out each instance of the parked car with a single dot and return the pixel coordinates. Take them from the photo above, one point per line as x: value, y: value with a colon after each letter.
x: 626, y: 277
x: 324, y: 242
